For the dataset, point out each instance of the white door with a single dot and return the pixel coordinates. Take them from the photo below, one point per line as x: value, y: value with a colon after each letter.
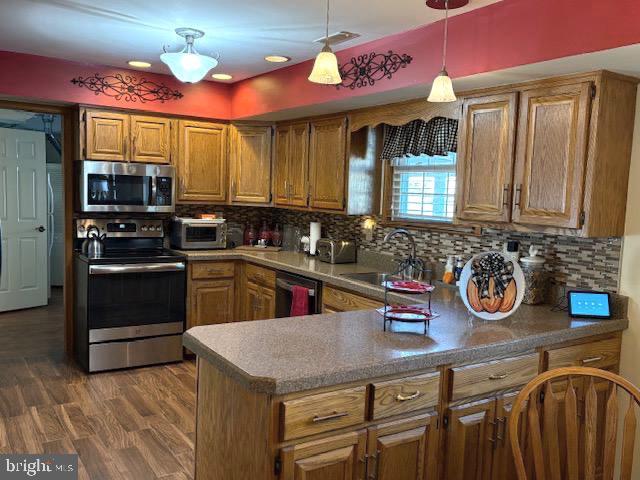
x: 23, y: 217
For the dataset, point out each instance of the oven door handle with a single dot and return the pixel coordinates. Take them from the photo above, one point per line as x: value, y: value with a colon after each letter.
x: 136, y: 268
x: 289, y: 287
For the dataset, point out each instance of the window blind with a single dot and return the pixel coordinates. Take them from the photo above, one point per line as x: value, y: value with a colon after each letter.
x: 423, y: 187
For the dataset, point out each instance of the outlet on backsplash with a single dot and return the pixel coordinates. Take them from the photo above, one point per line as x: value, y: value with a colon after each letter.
x: 590, y: 263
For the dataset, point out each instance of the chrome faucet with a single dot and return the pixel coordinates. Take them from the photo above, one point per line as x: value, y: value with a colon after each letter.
x: 411, y: 267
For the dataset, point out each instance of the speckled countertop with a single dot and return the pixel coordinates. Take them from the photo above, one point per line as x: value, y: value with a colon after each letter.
x: 301, y: 353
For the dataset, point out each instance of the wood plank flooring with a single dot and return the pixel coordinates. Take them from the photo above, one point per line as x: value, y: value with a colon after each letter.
x: 133, y: 424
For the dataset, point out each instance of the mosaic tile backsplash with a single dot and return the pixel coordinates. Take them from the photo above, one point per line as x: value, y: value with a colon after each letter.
x: 572, y: 262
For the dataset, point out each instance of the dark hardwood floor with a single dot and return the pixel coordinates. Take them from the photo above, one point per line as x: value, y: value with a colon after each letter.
x: 132, y: 424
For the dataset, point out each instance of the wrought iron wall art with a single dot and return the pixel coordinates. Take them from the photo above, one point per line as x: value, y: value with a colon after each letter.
x: 365, y: 70
x: 128, y: 88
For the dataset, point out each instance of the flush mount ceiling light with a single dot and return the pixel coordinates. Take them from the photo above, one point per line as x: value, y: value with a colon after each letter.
x: 277, y: 59
x: 221, y: 76
x: 442, y: 88
x: 188, y: 65
x: 325, y: 68
x: 138, y: 64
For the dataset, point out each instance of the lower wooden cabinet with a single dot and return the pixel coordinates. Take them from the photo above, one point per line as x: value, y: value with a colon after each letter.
x: 259, y: 302
x: 334, y: 300
x: 211, y: 293
x: 403, y: 450
x: 341, y: 457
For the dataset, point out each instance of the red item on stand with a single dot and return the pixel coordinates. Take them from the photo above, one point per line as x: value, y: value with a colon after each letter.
x: 299, y: 301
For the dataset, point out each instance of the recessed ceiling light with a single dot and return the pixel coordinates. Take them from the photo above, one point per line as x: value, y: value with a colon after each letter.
x: 139, y: 64
x: 277, y: 58
x: 222, y: 76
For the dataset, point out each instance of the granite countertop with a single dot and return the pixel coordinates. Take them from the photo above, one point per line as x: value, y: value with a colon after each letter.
x: 300, y: 353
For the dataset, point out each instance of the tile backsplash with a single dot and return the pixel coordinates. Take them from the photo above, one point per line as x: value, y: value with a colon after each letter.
x: 573, y: 262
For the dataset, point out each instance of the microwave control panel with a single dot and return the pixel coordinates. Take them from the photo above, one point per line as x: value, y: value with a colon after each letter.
x: 164, y: 186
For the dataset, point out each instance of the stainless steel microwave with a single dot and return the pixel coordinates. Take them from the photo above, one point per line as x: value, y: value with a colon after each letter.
x: 126, y: 187
x: 198, y: 234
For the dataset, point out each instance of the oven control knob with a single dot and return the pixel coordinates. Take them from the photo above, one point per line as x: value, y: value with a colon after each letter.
x: 159, y: 228
x: 144, y: 228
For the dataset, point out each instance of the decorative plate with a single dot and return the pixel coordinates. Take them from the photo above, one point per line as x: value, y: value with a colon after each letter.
x: 408, y: 286
x: 492, y: 286
x: 403, y: 313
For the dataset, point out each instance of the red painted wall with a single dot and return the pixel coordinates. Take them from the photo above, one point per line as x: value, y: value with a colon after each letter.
x: 49, y: 79
x: 506, y: 34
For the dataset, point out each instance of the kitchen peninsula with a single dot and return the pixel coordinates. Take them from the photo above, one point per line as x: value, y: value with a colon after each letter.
x: 332, y: 396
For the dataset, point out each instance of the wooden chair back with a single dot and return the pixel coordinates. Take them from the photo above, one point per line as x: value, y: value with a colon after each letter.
x: 544, y: 444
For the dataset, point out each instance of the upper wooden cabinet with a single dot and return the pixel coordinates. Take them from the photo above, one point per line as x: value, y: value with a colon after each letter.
x: 551, y: 154
x: 327, y: 164
x: 106, y: 135
x: 291, y: 167
x: 151, y: 139
x: 485, y: 160
x: 250, y: 159
x: 202, y: 161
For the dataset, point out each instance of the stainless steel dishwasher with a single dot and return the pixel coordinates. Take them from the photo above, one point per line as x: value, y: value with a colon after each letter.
x: 284, y: 286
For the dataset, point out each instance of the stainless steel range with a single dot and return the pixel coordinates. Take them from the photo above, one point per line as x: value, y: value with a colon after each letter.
x: 130, y: 302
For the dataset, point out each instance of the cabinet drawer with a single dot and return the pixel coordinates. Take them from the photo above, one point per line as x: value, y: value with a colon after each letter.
x: 600, y: 354
x: 334, y: 300
x: 403, y: 395
x: 205, y: 270
x: 323, y: 412
x: 479, y: 378
x: 260, y: 275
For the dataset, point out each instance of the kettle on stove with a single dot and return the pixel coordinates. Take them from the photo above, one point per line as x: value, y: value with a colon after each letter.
x: 93, y: 245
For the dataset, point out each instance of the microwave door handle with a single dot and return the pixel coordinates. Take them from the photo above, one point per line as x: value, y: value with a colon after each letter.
x: 154, y: 190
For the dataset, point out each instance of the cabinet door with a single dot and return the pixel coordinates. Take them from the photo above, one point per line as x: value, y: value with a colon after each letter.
x: 298, y: 180
x: 550, y: 155
x: 470, y: 439
x: 327, y: 164
x: 252, y: 299
x: 267, y: 303
x: 251, y: 164
x: 212, y: 302
x: 281, y: 166
x: 341, y: 457
x: 503, y: 464
x: 400, y: 450
x: 485, y: 160
x: 151, y: 139
x: 107, y: 136
x: 202, y: 161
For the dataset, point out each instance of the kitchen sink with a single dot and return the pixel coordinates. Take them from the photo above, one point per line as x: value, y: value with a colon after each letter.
x: 373, y: 278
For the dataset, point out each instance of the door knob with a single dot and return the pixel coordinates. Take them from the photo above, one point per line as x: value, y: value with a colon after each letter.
x: 41, y: 228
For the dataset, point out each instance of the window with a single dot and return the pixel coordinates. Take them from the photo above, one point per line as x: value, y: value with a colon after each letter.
x: 423, y: 187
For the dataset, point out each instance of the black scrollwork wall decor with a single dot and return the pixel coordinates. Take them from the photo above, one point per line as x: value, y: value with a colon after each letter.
x: 365, y: 70
x: 128, y: 88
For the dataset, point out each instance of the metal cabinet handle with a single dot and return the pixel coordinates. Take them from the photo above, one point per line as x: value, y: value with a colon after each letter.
x: 498, y: 376
x: 518, y: 195
x: 505, y: 195
x: 215, y: 272
x: 500, y: 436
x: 590, y: 360
x: 331, y: 416
x: 405, y: 398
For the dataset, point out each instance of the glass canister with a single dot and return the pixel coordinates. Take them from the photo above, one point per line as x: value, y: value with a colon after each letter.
x: 535, y: 277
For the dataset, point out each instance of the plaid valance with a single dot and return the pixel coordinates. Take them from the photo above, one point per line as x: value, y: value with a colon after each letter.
x: 438, y: 136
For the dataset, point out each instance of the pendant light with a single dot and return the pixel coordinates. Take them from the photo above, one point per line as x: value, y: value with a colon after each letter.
x: 442, y: 88
x: 188, y: 65
x: 325, y: 69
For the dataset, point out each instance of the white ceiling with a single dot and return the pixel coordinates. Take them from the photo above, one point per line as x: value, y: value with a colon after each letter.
x: 242, y: 31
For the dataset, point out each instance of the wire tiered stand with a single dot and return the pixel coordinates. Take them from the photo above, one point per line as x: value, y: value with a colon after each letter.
x: 413, y: 268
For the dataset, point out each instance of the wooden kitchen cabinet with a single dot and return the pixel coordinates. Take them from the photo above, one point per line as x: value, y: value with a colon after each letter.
x: 327, y: 164
x: 335, y: 300
x: 106, y: 135
x: 404, y: 449
x: 341, y: 457
x: 202, y: 162
x: 259, y: 303
x: 211, y: 293
x: 551, y: 155
x: 151, y: 140
x: 485, y: 159
x: 469, y: 442
x: 503, y: 467
x: 250, y: 164
x: 291, y: 167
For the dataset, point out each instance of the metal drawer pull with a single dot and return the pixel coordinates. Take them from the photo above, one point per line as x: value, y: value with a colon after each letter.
x: 591, y: 360
x: 332, y: 416
x: 498, y: 376
x: 406, y: 398
x: 215, y: 272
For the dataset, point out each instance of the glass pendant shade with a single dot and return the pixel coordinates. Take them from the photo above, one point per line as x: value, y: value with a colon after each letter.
x: 442, y: 89
x: 325, y: 69
x: 189, y: 66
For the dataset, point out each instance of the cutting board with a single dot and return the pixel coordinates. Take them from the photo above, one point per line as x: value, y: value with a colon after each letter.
x: 258, y: 249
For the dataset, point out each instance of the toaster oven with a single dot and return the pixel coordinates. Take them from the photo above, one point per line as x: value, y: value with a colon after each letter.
x: 336, y: 251
x: 198, y: 234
